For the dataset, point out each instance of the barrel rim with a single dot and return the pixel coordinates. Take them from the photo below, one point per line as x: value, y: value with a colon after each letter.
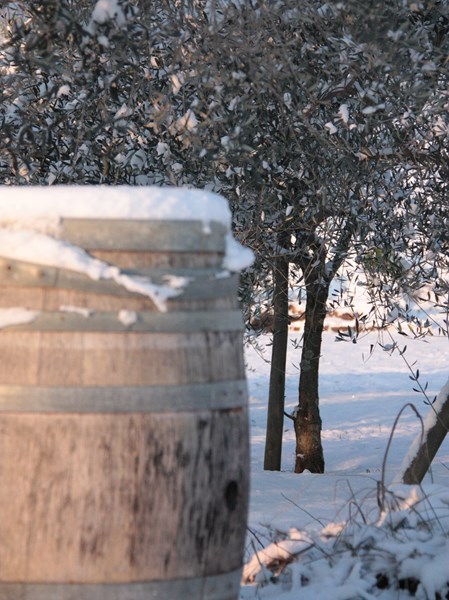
x: 192, y: 397
x: 223, y: 586
x: 145, y: 322
x: 144, y: 235
x: 212, y: 280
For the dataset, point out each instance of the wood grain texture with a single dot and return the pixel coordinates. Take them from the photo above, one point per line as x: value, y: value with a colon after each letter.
x: 116, y: 498
x: 160, y: 260
x: 92, y: 358
x: 47, y: 288
x: 144, y: 235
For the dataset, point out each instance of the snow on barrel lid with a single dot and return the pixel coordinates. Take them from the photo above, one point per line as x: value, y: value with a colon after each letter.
x: 30, y: 217
x: 27, y: 203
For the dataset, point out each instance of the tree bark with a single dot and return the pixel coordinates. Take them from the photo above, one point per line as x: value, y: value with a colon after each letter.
x: 436, y: 427
x: 276, y: 398
x: 309, y: 451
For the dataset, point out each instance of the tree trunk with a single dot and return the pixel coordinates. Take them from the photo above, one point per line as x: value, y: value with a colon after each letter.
x: 425, y: 447
x: 309, y: 451
x: 276, y: 398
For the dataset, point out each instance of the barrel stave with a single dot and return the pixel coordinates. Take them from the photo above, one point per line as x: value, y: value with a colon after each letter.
x: 121, y: 498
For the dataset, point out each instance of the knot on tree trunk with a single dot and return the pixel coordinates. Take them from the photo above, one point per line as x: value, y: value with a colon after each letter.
x: 307, y: 414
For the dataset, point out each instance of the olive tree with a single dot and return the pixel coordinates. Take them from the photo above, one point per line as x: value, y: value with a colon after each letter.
x: 327, y: 128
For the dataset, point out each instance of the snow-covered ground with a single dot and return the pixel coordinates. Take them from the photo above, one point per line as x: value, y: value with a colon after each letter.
x: 361, y: 394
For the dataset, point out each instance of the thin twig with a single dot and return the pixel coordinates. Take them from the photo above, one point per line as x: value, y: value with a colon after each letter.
x: 381, y: 486
x: 303, y: 509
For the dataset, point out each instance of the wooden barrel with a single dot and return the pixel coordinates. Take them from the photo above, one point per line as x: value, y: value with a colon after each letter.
x: 123, y: 429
